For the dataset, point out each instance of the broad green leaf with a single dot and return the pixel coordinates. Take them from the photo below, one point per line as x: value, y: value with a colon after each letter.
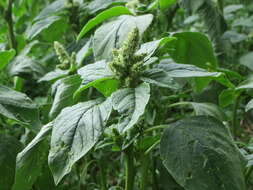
x: 200, y: 154
x: 112, y: 34
x: 98, y: 5
x: 25, y: 66
x: 193, y: 48
x: 63, y: 91
x: 6, y: 57
x: 232, y: 8
x: 40, y: 25
x: 149, y: 48
x: 84, y: 52
x: 76, y: 130
x: 192, y: 5
x: 131, y: 104
x: 51, y: 9
x: 29, y: 162
x: 94, y: 75
x: 185, y: 71
x: 208, y: 109
x: 160, y: 78
x: 165, y: 4
x: 107, y: 87
x: 247, y: 84
x: 247, y: 60
x: 249, y: 105
x: 19, y: 107
x: 227, y: 97
x: 234, y: 37
x: 9, y: 148
x: 101, y: 17
x: 54, y: 75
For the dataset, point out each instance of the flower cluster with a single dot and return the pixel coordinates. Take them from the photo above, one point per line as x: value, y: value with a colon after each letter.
x: 126, y: 65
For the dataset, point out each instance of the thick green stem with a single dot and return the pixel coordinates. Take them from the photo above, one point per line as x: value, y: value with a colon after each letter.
x: 144, y: 172
x: 129, y: 168
x: 234, y: 119
x: 9, y: 21
x: 103, y: 184
x: 221, y: 6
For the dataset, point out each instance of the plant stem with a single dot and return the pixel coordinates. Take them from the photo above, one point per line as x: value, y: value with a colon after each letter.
x: 234, y: 119
x: 103, y: 184
x: 129, y: 168
x: 248, y: 172
x: 9, y: 21
x: 144, y: 172
x: 221, y: 6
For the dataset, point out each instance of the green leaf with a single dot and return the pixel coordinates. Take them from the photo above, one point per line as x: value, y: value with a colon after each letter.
x: 249, y: 106
x: 98, y: 5
x: 63, y: 91
x: 200, y: 154
x: 54, y: 75
x: 94, y: 75
x: 159, y: 78
x: 19, y: 107
x: 51, y: 9
x: 76, y: 130
x: 112, y: 34
x: 29, y: 162
x: 165, y: 4
x: 247, y: 60
x: 9, y: 148
x: 149, y: 48
x: 40, y: 25
x: 208, y: 109
x: 131, y: 104
x: 247, y: 84
x: 101, y: 17
x: 193, y: 48
x: 227, y: 97
x: 6, y: 57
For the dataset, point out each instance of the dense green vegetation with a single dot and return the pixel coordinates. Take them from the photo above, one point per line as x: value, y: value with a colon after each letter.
x: 126, y: 95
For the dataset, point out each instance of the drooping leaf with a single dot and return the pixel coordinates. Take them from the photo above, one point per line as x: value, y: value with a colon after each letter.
x: 6, y: 57
x: 101, y: 17
x: 75, y: 132
x: 9, y: 148
x: 160, y: 78
x: 19, y: 107
x: 40, y: 25
x: 63, y: 91
x: 29, y: 162
x: 131, y: 104
x: 112, y: 34
x: 192, y: 48
x: 200, y: 154
x: 208, y: 109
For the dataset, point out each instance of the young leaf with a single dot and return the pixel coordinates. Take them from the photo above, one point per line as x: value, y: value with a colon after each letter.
x: 63, y: 93
x: 249, y: 105
x: 200, y: 154
x: 131, y: 104
x: 29, y: 162
x: 9, y: 148
x: 101, y: 17
x: 54, y: 75
x: 76, y: 130
x: 6, y: 57
x: 111, y: 35
x: 98, y: 5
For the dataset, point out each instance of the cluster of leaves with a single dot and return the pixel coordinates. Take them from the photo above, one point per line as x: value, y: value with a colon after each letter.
x: 126, y: 94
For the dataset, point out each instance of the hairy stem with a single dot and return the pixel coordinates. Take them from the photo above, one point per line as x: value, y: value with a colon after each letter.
x: 129, y: 168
